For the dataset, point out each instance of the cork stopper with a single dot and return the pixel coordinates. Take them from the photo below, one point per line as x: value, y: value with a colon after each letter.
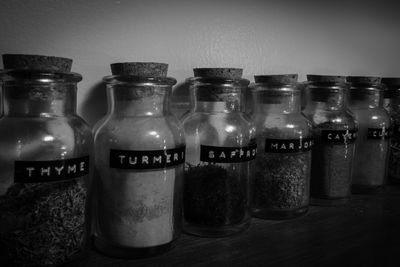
x: 226, y: 73
x: 391, y: 81
x: 325, y: 78
x: 363, y: 79
x: 141, y: 69
x: 36, y: 62
x: 274, y: 79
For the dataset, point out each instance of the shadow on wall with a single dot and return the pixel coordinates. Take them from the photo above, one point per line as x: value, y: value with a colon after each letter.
x: 95, y: 106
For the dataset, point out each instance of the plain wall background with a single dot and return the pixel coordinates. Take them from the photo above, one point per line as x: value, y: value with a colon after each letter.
x: 263, y: 37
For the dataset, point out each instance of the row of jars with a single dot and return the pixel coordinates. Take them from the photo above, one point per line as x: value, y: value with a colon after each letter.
x: 147, y: 175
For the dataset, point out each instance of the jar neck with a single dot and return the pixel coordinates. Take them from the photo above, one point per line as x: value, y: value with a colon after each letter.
x: 331, y: 98
x: 209, y: 98
x: 392, y: 101
x: 29, y: 99
x: 365, y: 97
x: 281, y: 100
x: 139, y: 100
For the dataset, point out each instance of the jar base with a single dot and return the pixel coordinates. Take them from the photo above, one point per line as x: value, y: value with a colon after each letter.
x: 329, y: 201
x: 222, y: 231
x: 367, y: 189
x: 278, y: 214
x: 127, y: 252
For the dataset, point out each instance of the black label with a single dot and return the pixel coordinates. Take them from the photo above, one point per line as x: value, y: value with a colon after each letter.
x: 219, y: 154
x: 146, y: 159
x: 339, y: 136
x: 378, y: 133
x: 50, y: 171
x: 288, y: 145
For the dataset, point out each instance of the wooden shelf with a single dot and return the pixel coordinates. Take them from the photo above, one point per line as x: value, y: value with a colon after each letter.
x: 366, y: 232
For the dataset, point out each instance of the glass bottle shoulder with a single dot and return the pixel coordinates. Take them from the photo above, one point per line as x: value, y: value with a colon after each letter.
x: 139, y: 133
x: 336, y: 119
x: 282, y: 126
x: 44, y: 138
x: 219, y: 129
x: 374, y: 117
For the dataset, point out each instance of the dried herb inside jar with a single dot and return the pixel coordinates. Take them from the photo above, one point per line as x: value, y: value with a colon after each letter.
x: 42, y: 224
x: 331, y: 164
x: 281, y: 181
x: 213, y: 197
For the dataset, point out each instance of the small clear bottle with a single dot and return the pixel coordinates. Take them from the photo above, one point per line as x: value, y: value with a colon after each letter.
x: 45, y: 155
x: 220, y: 150
x: 140, y: 155
x: 392, y: 106
x: 281, y: 185
x: 372, y: 145
x: 334, y: 131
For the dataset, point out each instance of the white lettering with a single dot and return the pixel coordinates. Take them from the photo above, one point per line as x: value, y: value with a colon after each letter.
x: 121, y: 158
x: 72, y: 168
x: 157, y: 159
x: 211, y: 154
x: 30, y: 169
x: 45, y: 170
x: 145, y: 159
x: 132, y: 162
x: 59, y: 169
x: 82, y: 166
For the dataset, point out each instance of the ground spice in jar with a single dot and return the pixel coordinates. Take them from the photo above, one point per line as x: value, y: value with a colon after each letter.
x: 332, y: 161
x: 140, y: 155
x: 28, y: 209
x: 44, y: 163
x: 220, y: 149
x: 280, y: 187
x: 281, y: 182
x: 335, y: 133
x: 213, y: 197
x: 372, y: 145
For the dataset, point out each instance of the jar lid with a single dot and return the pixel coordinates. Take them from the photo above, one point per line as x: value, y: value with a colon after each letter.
x: 140, y: 69
x: 225, y: 73
x: 326, y: 78
x: 36, y: 62
x: 276, y: 79
x: 363, y: 79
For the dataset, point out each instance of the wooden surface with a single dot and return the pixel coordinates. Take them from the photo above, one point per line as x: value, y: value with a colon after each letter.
x: 364, y: 233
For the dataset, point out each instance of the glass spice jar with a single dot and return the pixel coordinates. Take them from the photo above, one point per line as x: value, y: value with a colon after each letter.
x: 281, y: 186
x: 220, y: 148
x: 391, y: 103
x: 44, y: 159
x: 334, y: 131
x: 140, y: 155
x: 372, y: 145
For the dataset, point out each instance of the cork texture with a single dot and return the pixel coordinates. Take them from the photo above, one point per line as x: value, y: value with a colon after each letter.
x: 363, y: 79
x: 141, y: 69
x: 36, y: 62
x: 227, y: 73
x: 280, y: 78
x: 325, y: 78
